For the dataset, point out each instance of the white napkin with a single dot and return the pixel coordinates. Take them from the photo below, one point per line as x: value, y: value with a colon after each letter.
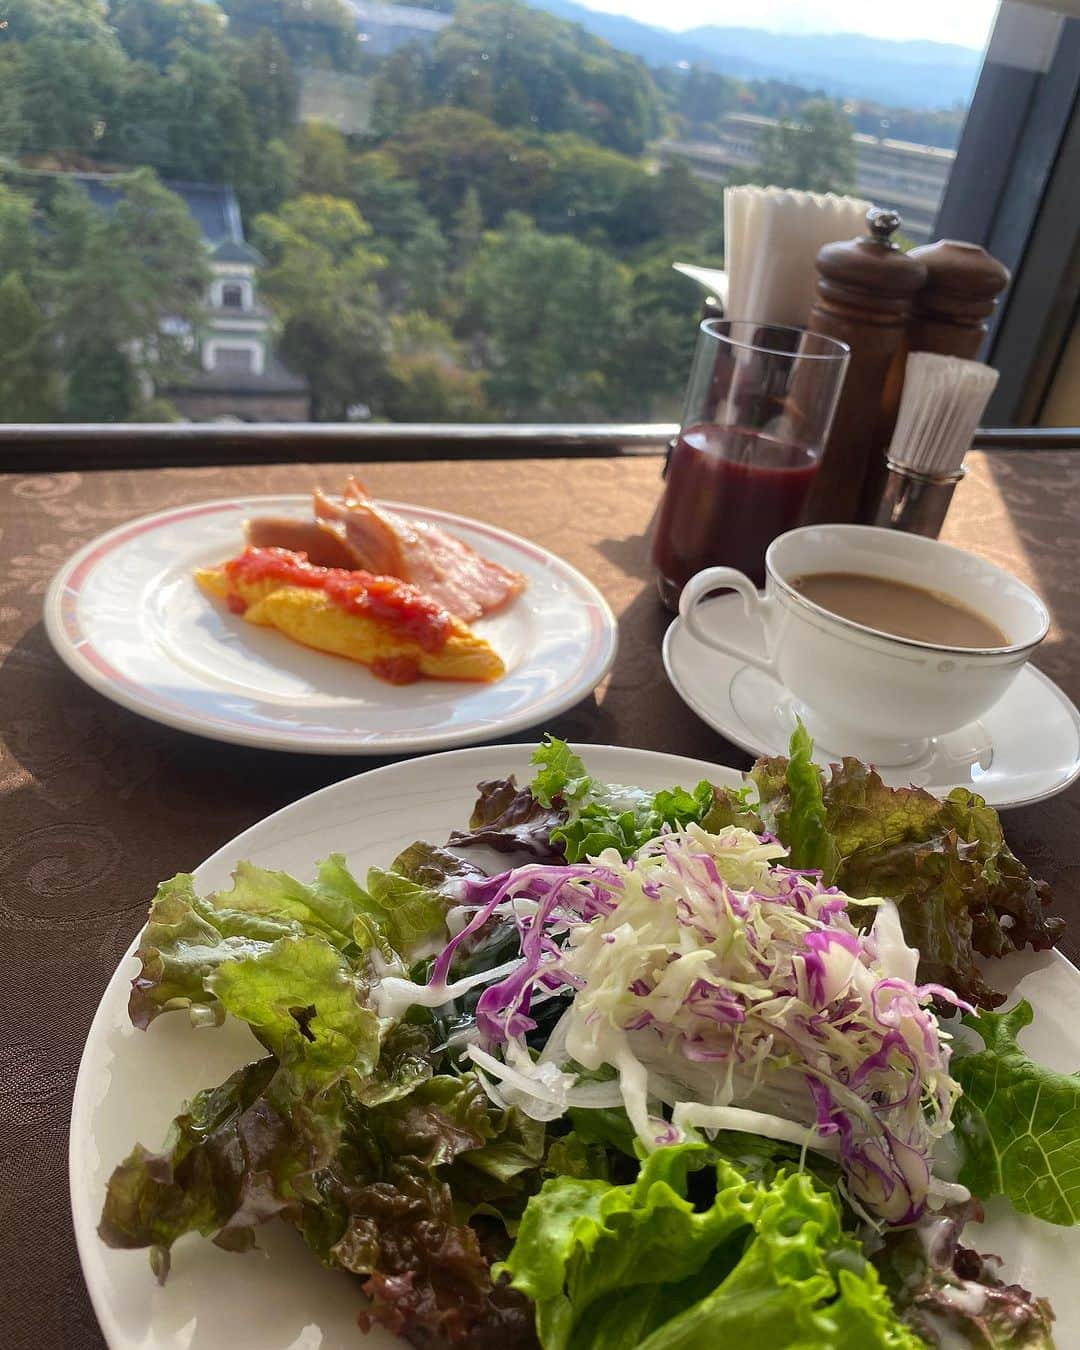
x: 771, y: 240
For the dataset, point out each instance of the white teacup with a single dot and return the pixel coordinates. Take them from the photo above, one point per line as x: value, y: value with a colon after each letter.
x: 879, y: 696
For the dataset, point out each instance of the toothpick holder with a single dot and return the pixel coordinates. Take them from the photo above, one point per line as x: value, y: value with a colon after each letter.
x: 914, y: 501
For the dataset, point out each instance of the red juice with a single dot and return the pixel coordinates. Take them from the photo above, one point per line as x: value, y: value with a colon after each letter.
x: 729, y: 493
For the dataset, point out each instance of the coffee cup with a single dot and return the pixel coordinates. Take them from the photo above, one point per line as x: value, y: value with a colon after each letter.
x: 863, y: 690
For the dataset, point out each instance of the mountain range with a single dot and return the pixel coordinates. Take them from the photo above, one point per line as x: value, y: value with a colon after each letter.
x: 914, y: 74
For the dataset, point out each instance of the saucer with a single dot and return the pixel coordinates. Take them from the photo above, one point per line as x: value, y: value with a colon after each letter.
x: 1026, y: 748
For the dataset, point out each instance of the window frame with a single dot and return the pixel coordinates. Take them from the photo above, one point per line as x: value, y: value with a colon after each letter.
x: 1013, y: 190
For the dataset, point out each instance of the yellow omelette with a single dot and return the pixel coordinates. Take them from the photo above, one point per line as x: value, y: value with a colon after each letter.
x: 309, y: 616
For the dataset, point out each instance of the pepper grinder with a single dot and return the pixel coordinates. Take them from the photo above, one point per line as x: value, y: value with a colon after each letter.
x: 864, y: 296
x: 963, y: 283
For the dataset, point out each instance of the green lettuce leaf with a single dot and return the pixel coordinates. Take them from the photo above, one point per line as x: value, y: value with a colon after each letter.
x: 602, y: 815
x: 398, y: 915
x: 665, y: 1264
x: 567, y: 815
x: 791, y: 790
x: 560, y: 774
x: 1018, y: 1121
x: 304, y: 1003
x: 189, y: 937
x: 960, y: 891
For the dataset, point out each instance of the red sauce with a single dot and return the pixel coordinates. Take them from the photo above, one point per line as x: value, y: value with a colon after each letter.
x: 412, y: 613
x: 397, y: 669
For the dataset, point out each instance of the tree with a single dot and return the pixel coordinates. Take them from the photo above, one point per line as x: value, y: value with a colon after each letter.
x: 18, y: 240
x: 447, y: 150
x: 698, y: 98
x: 399, y: 89
x: 29, y: 385
x: 523, y: 67
x: 322, y: 160
x: 102, y: 385
x: 407, y: 235
x: 320, y: 280
x: 651, y: 353
x: 468, y: 227
x: 79, y: 20
x: 127, y: 288
x: 155, y: 30
x: 429, y: 381
x: 270, y: 180
x: 549, y: 310
x: 263, y: 73
x: 595, y: 192
x: 192, y: 122
x: 67, y: 91
x: 313, y: 32
x: 816, y: 153
x: 685, y: 206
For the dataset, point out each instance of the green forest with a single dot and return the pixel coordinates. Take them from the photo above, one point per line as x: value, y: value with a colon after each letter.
x: 497, y: 243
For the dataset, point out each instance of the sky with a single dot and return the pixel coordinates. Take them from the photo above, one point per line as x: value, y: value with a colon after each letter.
x: 966, y: 22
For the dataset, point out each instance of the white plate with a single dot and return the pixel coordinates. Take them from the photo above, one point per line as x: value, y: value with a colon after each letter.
x: 279, y: 1297
x: 126, y: 617
x: 1025, y: 749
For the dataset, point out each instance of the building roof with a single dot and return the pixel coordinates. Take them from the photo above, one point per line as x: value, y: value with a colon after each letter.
x: 409, y: 17
x: 275, y: 379
x: 213, y: 206
x: 237, y: 251
x: 245, y: 317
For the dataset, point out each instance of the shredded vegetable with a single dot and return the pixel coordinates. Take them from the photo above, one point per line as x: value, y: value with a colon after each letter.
x: 735, y: 990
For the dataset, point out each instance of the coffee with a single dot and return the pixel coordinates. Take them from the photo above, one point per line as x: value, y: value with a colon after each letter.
x: 900, y: 609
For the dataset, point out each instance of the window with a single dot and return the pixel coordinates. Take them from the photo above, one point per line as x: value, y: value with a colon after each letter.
x: 233, y: 360
x: 398, y: 206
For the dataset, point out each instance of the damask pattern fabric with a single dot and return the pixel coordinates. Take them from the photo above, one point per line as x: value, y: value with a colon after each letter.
x: 97, y: 804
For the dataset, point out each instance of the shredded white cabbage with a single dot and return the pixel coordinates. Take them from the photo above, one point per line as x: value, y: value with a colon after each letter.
x: 737, y: 992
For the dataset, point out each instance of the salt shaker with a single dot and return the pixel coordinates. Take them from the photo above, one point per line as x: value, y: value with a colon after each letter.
x: 963, y: 283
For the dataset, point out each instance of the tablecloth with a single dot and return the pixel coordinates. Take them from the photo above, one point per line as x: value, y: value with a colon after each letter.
x: 97, y: 804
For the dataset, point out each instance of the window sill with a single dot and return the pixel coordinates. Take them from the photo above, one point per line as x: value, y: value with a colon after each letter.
x: 62, y: 446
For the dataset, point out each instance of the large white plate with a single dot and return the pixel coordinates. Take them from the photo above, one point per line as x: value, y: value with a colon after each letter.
x: 131, y: 1083
x: 126, y: 617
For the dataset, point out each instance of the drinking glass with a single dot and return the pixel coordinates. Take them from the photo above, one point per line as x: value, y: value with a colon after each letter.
x: 758, y: 407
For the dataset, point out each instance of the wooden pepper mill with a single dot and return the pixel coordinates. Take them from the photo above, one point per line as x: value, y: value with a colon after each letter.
x: 963, y: 283
x: 865, y: 291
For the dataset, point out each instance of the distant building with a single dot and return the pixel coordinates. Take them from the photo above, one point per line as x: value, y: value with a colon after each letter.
x: 337, y: 98
x: 383, y: 27
x: 239, y: 375
x: 905, y: 177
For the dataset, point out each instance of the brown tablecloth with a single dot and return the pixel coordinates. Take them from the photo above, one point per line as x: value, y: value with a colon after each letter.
x: 97, y: 804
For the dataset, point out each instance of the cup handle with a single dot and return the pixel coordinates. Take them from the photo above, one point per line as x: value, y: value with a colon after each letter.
x: 712, y: 579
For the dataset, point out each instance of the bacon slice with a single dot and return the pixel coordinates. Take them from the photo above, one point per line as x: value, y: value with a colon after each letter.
x: 323, y: 541
x: 467, y: 584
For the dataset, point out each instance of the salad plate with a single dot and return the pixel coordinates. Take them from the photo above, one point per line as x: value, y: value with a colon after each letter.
x: 1025, y: 749
x: 125, y: 615
x: 278, y: 1297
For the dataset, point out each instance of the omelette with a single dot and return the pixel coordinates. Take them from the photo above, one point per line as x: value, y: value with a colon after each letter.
x: 393, y: 628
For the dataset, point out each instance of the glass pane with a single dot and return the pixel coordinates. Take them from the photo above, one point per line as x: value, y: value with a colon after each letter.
x: 455, y: 210
x: 238, y: 360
